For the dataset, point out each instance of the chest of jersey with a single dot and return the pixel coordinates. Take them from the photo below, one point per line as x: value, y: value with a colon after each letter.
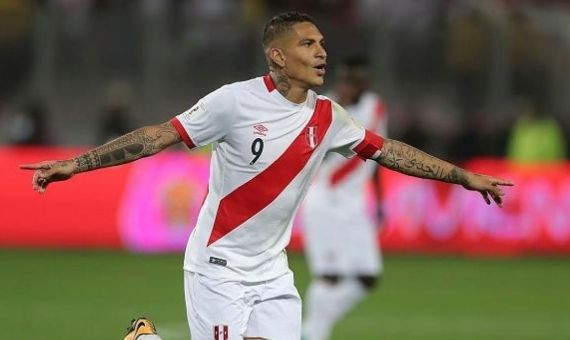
x: 264, y: 131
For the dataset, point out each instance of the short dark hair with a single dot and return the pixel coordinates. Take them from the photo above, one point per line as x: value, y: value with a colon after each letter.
x: 282, y: 23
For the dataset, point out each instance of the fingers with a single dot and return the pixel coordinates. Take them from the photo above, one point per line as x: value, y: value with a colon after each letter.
x: 485, y: 197
x: 40, y: 181
x: 497, y: 198
x: 35, y: 166
x: 42, y: 175
x: 495, y: 193
x: 35, y: 183
x: 498, y: 181
x: 502, y: 182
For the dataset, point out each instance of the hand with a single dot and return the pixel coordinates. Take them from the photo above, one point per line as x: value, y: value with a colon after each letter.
x: 49, y: 171
x: 487, y: 186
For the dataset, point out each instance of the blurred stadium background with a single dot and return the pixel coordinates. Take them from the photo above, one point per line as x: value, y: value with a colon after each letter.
x: 484, y: 83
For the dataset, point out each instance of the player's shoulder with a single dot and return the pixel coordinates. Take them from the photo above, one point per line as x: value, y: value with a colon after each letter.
x: 241, y: 86
x: 252, y: 85
x: 337, y: 109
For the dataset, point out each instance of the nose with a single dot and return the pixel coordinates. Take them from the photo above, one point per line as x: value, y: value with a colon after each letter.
x: 321, y: 52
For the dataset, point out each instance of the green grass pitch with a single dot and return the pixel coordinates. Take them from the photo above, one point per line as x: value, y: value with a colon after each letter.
x: 93, y: 295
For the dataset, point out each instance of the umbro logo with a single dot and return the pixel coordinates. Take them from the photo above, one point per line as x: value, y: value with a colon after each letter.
x: 260, y: 129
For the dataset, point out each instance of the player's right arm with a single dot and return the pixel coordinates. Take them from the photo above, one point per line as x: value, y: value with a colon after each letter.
x: 140, y: 143
x: 408, y: 160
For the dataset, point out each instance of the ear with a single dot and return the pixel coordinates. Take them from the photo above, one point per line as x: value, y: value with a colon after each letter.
x: 276, y: 56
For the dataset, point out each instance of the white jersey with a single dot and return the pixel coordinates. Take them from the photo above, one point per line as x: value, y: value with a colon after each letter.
x: 345, y: 180
x: 266, y: 151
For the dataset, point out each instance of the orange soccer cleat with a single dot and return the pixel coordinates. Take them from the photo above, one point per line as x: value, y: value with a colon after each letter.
x: 140, y: 326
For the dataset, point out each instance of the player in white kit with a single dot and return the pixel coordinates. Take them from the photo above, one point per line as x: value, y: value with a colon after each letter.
x: 270, y: 134
x: 340, y: 233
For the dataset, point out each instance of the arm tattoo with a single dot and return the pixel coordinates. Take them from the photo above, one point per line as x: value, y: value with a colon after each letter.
x: 87, y: 161
x: 408, y: 160
x: 140, y: 143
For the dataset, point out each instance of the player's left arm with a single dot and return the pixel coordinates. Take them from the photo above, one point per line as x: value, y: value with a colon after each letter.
x: 408, y: 160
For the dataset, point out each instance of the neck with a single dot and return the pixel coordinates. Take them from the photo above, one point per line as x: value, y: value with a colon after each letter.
x: 288, y: 88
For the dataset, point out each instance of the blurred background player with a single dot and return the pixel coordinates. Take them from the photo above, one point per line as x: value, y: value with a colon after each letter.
x: 340, y: 235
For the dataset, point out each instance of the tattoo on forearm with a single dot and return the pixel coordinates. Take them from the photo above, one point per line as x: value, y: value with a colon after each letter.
x: 134, y: 145
x: 87, y: 161
x: 403, y: 158
x: 456, y: 175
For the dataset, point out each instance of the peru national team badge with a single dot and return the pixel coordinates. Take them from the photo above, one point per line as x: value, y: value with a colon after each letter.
x: 311, y: 136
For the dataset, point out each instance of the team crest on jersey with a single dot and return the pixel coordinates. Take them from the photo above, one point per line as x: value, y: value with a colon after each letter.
x: 260, y: 129
x: 311, y: 137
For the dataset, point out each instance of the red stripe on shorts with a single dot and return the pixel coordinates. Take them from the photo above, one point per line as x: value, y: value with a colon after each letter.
x: 253, y: 196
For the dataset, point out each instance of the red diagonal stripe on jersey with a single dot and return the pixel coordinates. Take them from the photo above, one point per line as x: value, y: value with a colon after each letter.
x: 253, y: 196
x: 349, y: 166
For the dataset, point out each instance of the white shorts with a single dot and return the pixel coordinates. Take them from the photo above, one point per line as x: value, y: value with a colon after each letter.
x: 338, y: 245
x: 221, y: 309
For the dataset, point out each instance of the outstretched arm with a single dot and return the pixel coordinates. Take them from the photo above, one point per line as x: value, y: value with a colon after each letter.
x: 140, y: 143
x: 408, y: 160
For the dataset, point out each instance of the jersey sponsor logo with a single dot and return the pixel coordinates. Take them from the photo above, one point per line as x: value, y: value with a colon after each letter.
x: 218, y: 261
x: 260, y: 129
x: 311, y: 137
x: 254, y: 196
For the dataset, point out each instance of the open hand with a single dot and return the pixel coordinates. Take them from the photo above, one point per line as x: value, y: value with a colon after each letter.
x: 487, y: 186
x: 49, y: 171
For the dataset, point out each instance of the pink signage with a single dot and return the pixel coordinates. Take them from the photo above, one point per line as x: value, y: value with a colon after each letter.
x: 437, y: 217
x: 161, y: 201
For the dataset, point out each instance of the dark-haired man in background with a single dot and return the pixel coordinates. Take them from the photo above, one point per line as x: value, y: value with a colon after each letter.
x: 270, y: 134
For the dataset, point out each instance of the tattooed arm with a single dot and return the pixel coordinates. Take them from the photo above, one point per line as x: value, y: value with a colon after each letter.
x: 140, y: 143
x: 408, y: 160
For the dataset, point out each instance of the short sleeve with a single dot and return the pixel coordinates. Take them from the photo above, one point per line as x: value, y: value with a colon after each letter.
x: 352, y: 139
x: 209, y: 120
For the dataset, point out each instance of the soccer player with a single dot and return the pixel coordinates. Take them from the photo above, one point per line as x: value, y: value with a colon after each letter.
x: 340, y: 237
x: 270, y: 134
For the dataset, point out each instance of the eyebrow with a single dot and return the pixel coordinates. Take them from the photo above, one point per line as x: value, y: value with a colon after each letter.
x: 305, y: 40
